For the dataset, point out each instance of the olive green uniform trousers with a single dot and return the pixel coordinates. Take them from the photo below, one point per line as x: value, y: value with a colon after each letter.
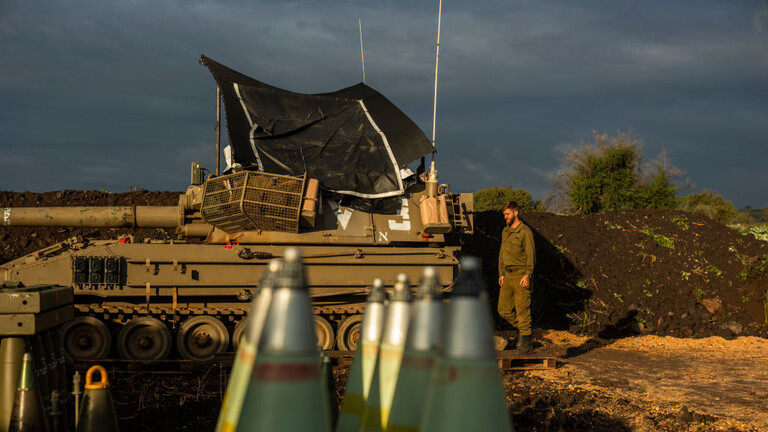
x: 515, y: 302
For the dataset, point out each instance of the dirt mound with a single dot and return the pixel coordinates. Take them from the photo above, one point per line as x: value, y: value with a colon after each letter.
x: 19, y: 241
x: 643, y: 271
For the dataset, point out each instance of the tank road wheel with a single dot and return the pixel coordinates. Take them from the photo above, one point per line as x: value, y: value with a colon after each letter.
x: 349, y: 333
x: 238, y: 333
x: 324, y: 333
x: 200, y: 338
x: 86, y: 337
x: 144, y: 338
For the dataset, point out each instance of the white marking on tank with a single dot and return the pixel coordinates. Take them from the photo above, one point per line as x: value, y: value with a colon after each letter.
x: 7, y: 217
x: 252, y: 124
x: 405, y: 225
x: 386, y: 144
x: 342, y: 217
x: 383, y: 236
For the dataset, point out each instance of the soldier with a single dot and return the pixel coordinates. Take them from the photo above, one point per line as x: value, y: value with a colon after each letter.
x: 517, y: 257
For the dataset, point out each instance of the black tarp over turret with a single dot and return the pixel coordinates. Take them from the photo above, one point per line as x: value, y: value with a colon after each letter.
x: 354, y: 140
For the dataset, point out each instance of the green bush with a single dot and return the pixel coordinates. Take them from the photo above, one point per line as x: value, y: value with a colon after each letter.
x: 495, y: 197
x: 605, y: 178
x: 609, y: 175
x: 753, y: 215
x: 660, y: 193
x: 710, y: 204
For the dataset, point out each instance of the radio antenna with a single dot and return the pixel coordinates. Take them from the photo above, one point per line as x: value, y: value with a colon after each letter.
x: 437, y: 59
x: 362, y: 56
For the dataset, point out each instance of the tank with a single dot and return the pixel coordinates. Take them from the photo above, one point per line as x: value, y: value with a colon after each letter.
x: 327, y: 173
x: 128, y: 290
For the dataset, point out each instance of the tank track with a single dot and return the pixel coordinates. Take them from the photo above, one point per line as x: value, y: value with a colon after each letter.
x: 116, y: 316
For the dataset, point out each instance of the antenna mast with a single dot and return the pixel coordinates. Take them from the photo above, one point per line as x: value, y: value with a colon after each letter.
x: 362, y: 57
x: 437, y: 59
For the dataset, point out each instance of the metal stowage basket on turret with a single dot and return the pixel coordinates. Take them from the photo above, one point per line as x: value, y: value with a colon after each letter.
x: 250, y: 200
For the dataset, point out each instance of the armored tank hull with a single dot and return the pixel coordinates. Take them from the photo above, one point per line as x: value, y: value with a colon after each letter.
x: 188, y: 296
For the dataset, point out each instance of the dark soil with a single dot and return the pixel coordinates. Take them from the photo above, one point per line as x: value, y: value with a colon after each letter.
x: 538, y: 406
x: 146, y: 402
x: 637, y: 272
x: 157, y: 402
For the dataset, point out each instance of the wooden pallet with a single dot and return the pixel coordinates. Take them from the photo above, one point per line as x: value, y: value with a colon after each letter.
x: 509, y: 360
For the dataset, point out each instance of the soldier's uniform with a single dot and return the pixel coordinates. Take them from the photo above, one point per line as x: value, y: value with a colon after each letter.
x: 517, y: 258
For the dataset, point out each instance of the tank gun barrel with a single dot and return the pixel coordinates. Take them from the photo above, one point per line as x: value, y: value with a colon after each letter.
x: 111, y: 217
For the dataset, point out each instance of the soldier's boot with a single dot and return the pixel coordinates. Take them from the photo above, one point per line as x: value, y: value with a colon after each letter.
x: 514, y: 336
x: 524, y: 345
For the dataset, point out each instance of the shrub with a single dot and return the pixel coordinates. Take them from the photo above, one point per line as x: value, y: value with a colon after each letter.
x: 752, y: 215
x: 660, y: 193
x: 609, y: 175
x: 495, y: 197
x: 710, y: 204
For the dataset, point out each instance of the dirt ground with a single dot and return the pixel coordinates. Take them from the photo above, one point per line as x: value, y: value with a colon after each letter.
x: 644, y: 383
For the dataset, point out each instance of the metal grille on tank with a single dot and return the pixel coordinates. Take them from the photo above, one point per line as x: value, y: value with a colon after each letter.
x: 248, y: 201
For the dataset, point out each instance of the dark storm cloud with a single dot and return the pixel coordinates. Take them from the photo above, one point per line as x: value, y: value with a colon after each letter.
x: 689, y: 78
x: 105, y: 95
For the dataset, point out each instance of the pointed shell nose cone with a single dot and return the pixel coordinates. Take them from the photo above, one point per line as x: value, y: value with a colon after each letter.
x: 27, y: 413
x: 375, y: 313
x: 430, y: 287
x: 289, y: 326
x: 292, y: 273
x: 402, y: 291
x: 469, y: 283
x: 261, y: 301
x: 426, y: 318
x: 27, y: 374
x: 269, y: 277
x: 398, y: 313
x: 469, y: 332
x: 377, y: 293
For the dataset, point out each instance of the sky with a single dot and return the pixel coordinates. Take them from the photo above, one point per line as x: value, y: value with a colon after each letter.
x: 109, y: 95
